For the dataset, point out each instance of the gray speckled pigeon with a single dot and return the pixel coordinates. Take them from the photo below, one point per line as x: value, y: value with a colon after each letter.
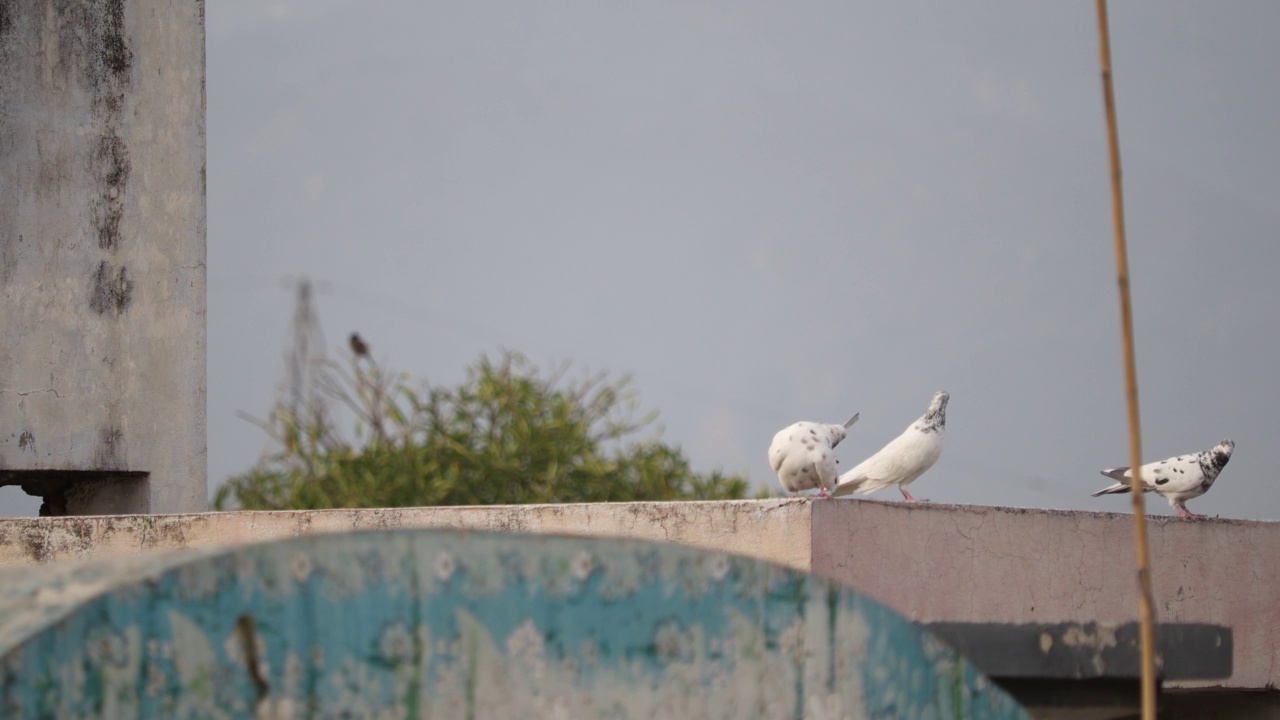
x: 1177, y: 479
x: 804, y: 456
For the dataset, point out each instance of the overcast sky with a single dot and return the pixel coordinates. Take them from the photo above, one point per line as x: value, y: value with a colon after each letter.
x: 769, y: 212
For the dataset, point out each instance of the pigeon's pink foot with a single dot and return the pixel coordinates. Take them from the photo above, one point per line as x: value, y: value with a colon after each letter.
x: 822, y: 493
x: 1187, y: 514
x: 909, y: 498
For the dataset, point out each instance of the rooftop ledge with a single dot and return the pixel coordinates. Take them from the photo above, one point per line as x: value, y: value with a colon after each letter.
x: 934, y: 563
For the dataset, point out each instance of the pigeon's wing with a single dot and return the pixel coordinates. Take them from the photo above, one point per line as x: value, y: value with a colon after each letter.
x: 880, y: 470
x: 1160, y: 475
x: 776, y: 456
x: 1175, y: 475
x: 909, y: 456
x: 874, y: 483
x: 901, y: 462
x: 779, y: 448
x: 825, y: 466
x: 922, y: 455
x: 782, y: 458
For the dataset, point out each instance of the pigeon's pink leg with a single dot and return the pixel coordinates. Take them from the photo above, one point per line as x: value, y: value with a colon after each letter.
x: 1183, y: 512
x: 822, y: 493
x: 907, y: 495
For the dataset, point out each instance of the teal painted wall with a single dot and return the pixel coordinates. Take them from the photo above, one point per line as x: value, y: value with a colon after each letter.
x: 439, y: 624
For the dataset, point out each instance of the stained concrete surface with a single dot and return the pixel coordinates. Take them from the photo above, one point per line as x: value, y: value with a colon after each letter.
x: 774, y: 530
x: 102, y: 254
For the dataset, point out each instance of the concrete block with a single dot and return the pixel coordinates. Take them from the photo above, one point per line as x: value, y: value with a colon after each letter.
x: 102, y: 254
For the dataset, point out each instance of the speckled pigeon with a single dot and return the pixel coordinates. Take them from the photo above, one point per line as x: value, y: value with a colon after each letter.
x: 1177, y: 479
x: 803, y: 455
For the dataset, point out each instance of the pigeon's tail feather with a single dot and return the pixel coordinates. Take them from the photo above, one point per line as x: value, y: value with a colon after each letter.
x: 1118, y: 488
x: 871, y: 485
x: 1116, y: 473
x: 848, y: 483
x: 844, y: 487
x: 852, y: 420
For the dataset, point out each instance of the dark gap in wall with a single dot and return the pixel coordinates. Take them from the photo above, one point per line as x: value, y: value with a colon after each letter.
x: 83, y: 492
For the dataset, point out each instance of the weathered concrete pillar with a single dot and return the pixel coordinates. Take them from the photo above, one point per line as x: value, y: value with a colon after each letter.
x: 102, y: 250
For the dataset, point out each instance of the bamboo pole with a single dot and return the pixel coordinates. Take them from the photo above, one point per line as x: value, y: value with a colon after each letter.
x: 1146, y: 603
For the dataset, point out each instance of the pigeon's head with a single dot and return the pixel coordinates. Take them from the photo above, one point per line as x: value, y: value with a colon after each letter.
x: 1222, y: 453
x: 935, y: 418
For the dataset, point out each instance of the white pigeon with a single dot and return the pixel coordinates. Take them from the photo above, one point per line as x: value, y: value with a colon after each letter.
x: 1177, y: 479
x: 803, y: 455
x: 905, y: 458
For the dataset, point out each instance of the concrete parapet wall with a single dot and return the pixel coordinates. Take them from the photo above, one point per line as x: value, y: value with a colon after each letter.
x: 774, y: 530
x: 930, y: 562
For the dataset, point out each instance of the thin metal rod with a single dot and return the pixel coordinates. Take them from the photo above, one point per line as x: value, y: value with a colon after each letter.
x: 1146, y: 602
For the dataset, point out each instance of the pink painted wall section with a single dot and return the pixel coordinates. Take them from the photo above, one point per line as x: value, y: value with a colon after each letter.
x: 988, y: 564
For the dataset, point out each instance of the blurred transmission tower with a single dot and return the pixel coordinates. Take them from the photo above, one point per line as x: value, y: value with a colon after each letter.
x: 299, y: 396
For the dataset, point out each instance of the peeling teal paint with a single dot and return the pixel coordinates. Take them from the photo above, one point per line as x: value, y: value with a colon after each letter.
x: 440, y: 624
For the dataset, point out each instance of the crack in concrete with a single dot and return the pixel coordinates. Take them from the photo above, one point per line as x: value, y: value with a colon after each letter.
x: 25, y: 393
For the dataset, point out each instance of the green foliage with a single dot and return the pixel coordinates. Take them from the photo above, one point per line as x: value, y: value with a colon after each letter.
x: 506, y: 435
